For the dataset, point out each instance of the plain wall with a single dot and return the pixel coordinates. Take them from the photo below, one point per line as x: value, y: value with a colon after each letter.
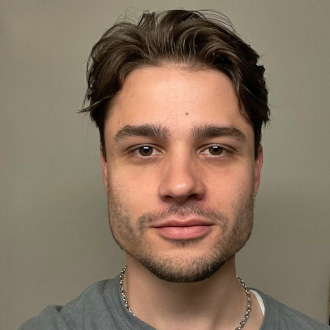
x: 54, y: 235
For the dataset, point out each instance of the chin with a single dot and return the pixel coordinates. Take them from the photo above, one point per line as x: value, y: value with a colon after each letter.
x: 185, y: 268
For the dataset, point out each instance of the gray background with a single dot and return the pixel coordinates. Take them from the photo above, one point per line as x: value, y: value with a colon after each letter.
x: 55, y: 239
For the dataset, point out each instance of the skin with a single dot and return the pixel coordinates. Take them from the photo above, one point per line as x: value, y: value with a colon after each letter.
x: 174, y: 168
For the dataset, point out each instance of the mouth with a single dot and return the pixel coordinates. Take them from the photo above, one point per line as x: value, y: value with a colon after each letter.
x: 183, y: 229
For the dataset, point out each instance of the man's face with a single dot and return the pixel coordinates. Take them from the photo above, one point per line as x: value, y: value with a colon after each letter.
x: 180, y: 172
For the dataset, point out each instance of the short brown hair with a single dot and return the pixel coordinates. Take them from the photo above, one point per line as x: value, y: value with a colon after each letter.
x: 193, y: 38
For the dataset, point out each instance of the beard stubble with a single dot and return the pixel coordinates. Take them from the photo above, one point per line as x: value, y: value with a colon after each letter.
x: 182, y: 268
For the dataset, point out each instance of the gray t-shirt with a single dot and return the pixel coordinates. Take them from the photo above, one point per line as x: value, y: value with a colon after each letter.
x: 100, y: 307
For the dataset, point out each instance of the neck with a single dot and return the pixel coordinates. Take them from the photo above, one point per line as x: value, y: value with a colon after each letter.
x: 217, y: 302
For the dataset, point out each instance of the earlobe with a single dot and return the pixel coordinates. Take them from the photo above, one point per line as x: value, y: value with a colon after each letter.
x: 104, y: 169
x: 257, y: 169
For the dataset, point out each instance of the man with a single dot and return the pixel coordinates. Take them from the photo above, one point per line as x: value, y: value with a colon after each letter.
x: 179, y: 100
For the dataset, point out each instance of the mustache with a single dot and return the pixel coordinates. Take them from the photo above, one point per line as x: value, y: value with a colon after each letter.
x: 181, y: 211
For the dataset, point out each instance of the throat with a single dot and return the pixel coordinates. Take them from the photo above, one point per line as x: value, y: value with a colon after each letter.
x: 212, y: 303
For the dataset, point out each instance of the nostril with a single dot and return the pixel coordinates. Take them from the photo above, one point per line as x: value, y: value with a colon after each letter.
x: 181, y: 180
x: 182, y: 193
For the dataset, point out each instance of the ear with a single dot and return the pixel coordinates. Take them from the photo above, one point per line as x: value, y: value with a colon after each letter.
x: 257, y: 169
x: 104, y: 169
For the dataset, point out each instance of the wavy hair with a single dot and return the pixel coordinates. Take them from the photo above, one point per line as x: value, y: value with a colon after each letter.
x: 192, y: 38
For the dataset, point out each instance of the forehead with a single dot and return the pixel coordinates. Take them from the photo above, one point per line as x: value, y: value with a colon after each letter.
x: 178, y: 98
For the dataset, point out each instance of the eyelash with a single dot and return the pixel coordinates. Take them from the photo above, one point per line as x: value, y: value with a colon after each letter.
x: 136, y: 150
x: 222, y: 149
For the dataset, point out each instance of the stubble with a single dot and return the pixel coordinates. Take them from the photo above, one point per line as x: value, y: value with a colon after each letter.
x: 183, y: 267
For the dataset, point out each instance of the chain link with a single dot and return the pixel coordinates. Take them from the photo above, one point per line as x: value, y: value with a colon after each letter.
x: 247, y: 292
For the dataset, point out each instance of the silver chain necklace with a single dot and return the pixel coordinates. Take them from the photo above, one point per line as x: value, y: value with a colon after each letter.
x: 247, y: 292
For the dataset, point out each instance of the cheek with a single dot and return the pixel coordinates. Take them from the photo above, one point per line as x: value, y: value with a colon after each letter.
x: 134, y: 191
x: 232, y: 187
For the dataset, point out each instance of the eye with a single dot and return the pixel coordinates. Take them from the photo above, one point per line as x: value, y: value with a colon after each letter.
x: 145, y: 151
x: 214, y: 150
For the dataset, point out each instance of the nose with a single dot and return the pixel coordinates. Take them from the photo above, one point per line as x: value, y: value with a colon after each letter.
x: 182, y: 180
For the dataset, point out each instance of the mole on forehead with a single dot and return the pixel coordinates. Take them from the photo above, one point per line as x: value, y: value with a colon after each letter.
x: 161, y: 132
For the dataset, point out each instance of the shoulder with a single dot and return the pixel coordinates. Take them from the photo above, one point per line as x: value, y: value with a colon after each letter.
x: 93, y: 302
x: 282, y: 317
x: 99, y: 307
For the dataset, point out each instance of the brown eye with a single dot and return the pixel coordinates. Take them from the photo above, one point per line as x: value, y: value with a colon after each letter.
x: 145, y: 151
x: 215, y: 150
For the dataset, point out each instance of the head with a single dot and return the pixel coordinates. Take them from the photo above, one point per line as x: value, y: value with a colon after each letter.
x: 179, y: 100
x: 194, y: 39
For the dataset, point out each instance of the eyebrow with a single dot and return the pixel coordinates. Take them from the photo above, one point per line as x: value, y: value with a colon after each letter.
x: 155, y: 131
x: 209, y: 131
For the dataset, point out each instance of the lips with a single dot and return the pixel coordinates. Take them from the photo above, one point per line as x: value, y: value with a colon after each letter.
x: 183, y: 229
